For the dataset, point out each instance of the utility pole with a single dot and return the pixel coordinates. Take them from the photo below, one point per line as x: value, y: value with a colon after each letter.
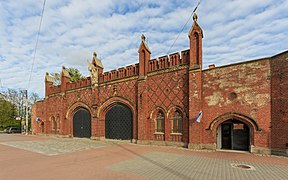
x: 27, y: 127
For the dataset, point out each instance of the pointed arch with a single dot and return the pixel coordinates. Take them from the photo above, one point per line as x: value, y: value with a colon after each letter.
x: 74, y: 107
x: 176, y: 116
x: 114, y: 101
x: 155, y: 110
x: 233, y: 115
x: 110, y: 102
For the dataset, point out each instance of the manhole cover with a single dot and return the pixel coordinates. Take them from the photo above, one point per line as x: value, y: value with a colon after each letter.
x: 243, y: 166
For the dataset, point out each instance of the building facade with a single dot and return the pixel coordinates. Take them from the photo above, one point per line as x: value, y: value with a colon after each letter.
x: 172, y: 100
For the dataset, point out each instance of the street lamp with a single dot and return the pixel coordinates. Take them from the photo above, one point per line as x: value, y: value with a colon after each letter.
x: 26, y: 111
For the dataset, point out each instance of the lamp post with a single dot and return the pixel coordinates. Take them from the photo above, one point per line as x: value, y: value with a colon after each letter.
x: 26, y: 112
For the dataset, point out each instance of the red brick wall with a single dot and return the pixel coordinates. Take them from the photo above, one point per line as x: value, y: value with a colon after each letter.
x: 251, y: 84
x: 279, y: 118
x: 37, y: 112
x: 167, y: 91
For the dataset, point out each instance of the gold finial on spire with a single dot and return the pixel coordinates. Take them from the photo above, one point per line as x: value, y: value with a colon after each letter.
x: 195, y: 17
x: 143, y: 37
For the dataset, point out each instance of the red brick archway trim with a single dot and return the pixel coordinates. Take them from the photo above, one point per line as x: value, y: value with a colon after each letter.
x: 72, y: 110
x: 253, y: 125
x: 75, y: 107
x: 233, y: 115
x: 109, y: 103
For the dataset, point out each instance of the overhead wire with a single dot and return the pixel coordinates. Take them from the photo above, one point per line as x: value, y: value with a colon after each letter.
x: 36, y: 45
x: 184, y: 27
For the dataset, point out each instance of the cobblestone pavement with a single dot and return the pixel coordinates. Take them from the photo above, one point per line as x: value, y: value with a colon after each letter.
x: 56, y: 146
x: 41, y: 157
x: 160, y: 165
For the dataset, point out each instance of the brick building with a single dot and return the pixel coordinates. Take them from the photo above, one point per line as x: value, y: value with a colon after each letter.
x: 243, y: 106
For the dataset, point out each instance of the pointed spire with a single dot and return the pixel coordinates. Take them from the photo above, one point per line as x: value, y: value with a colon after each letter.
x: 143, y: 37
x: 195, y: 27
x: 143, y: 42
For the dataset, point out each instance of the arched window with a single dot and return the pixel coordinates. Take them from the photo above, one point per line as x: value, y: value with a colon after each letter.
x: 160, y: 122
x: 58, y: 123
x: 53, y: 123
x: 177, y: 123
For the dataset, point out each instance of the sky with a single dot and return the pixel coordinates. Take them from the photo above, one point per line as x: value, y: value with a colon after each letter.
x: 234, y: 31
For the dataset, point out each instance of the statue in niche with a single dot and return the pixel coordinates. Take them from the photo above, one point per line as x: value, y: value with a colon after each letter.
x: 93, y: 69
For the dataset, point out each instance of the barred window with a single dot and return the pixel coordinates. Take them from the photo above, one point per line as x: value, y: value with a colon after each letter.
x: 177, y: 123
x: 160, y: 122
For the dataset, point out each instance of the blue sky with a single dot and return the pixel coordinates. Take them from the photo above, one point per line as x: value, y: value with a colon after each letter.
x: 234, y: 31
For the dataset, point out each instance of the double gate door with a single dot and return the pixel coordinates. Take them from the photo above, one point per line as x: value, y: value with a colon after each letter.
x: 82, y: 124
x: 118, y: 123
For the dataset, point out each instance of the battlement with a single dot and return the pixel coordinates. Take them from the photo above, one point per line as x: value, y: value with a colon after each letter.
x: 123, y: 72
x: 170, y: 61
x: 69, y: 86
x: 159, y: 63
x: 54, y: 89
x: 78, y: 84
x: 163, y: 62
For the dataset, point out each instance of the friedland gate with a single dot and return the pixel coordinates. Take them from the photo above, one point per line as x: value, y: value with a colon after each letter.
x: 172, y: 100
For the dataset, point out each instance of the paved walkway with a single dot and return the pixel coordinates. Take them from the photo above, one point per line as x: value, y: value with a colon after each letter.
x: 36, y: 157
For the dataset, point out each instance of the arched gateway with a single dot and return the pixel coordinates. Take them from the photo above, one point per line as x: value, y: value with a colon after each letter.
x: 82, y: 124
x: 119, y: 123
x: 234, y: 131
x: 233, y: 135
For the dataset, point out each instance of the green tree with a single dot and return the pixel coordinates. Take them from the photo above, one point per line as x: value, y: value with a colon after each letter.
x: 73, y: 72
x: 8, y: 112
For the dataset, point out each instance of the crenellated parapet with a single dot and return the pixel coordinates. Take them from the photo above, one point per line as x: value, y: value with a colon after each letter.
x: 120, y: 73
x: 86, y: 82
x: 54, y: 89
x: 170, y: 61
x: 163, y: 62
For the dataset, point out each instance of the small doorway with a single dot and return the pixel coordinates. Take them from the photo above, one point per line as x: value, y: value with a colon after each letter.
x: 226, y: 136
x: 42, y: 127
x: 234, y: 135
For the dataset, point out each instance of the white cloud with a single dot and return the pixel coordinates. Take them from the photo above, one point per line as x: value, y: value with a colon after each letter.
x: 72, y: 29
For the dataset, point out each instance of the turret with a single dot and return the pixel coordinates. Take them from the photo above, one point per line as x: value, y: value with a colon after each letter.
x: 65, y: 78
x: 195, y: 35
x: 48, y: 83
x: 144, y: 57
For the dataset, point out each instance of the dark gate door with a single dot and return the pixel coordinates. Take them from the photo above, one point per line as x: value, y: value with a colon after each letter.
x: 118, y: 123
x: 82, y: 124
x: 226, y: 136
x: 240, y: 137
x: 235, y: 135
